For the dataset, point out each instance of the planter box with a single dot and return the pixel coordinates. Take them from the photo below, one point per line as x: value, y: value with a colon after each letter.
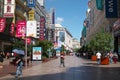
x: 105, y: 61
x: 94, y: 58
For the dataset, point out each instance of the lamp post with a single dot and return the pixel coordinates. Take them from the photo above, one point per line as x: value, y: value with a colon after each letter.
x: 26, y: 47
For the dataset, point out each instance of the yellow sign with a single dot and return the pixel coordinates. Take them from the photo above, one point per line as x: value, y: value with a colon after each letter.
x: 31, y: 15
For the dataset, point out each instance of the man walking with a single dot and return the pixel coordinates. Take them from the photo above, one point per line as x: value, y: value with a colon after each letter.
x: 62, y: 60
x: 98, y: 57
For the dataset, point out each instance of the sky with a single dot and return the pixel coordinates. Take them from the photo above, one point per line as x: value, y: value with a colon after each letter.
x: 70, y: 14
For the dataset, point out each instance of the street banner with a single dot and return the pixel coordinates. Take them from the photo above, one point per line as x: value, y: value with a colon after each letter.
x: 2, y: 24
x: 20, y: 28
x: 42, y: 28
x: 31, y: 3
x: 36, y: 55
x: 9, y: 8
x: 111, y: 10
x: 32, y: 29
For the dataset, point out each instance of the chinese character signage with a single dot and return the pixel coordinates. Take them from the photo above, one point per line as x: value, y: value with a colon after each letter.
x: 9, y: 8
x: 111, y: 10
x: 42, y: 28
x: 20, y: 28
x: 31, y: 3
x: 31, y: 28
x: 2, y: 24
x: 36, y: 55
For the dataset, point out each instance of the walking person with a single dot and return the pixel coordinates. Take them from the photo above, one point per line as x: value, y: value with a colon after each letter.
x: 19, y: 63
x: 110, y: 55
x: 62, y: 60
x: 98, y: 54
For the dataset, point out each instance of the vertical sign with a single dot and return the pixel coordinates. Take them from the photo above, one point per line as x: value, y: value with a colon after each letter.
x: 2, y: 24
x: 111, y: 10
x: 9, y: 8
x: 42, y: 28
x: 36, y: 53
x: 62, y: 36
x: 20, y: 28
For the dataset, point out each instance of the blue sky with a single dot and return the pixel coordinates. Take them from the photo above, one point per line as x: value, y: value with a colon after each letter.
x: 69, y: 13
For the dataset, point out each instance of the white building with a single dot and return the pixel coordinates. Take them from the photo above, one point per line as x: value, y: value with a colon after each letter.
x: 63, y: 37
x: 76, y: 43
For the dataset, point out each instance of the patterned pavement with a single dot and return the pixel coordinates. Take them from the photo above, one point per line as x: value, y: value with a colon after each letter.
x: 75, y: 69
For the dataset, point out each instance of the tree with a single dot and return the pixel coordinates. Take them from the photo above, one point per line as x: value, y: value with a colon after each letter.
x: 102, y: 42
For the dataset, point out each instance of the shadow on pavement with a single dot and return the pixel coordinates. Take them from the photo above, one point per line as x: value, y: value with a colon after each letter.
x: 79, y: 73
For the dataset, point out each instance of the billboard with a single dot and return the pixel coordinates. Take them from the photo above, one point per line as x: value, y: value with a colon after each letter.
x: 62, y: 36
x: 20, y: 28
x: 2, y: 24
x: 111, y: 10
x: 37, y: 52
x: 31, y: 28
x: 9, y: 8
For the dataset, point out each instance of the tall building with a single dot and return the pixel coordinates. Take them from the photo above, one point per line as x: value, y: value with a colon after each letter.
x: 12, y: 11
x: 63, y: 37
x: 104, y: 16
x: 50, y: 29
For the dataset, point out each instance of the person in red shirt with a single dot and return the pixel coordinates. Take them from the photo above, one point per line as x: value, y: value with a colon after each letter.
x: 62, y: 60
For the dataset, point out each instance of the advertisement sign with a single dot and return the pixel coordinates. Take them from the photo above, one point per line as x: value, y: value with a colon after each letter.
x: 42, y: 28
x: 36, y: 53
x: 62, y: 36
x: 9, y: 8
x: 99, y: 4
x: 20, y: 28
x: 31, y: 28
x: 111, y: 10
x: 31, y: 3
x: 2, y: 24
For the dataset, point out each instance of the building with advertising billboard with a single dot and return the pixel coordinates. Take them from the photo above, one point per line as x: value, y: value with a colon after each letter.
x: 63, y: 37
x: 12, y: 11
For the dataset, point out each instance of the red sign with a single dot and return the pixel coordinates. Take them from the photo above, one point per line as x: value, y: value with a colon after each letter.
x: 42, y: 27
x: 2, y: 24
x: 20, y: 30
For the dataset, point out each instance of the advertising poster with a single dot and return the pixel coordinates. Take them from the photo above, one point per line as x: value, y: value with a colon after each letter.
x: 111, y: 8
x: 37, y: 53
x: 20, y: 28
x: 62, y: 36
x: 31, y: 28
x: 2, y: 24
x: 9, y: 8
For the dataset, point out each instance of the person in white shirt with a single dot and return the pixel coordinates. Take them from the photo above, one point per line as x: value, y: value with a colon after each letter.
x: 98, y: 57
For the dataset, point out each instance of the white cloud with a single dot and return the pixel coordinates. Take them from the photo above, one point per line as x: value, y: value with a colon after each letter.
x: 59, y: 20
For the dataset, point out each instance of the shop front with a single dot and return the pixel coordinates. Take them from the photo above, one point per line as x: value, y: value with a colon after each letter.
x: 116, y: 32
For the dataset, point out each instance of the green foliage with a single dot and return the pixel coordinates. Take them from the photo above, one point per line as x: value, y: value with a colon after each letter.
x: 62, y: 48
x: 101, y: 42
x: 19, y: 45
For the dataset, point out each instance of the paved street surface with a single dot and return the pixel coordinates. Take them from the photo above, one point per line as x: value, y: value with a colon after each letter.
x: 75, y: 69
